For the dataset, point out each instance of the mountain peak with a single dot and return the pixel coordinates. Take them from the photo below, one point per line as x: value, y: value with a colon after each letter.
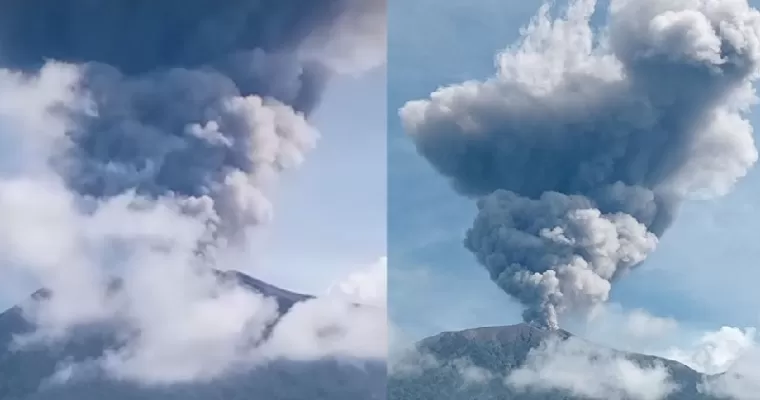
x: 285, y: 298
x: 496, y: 351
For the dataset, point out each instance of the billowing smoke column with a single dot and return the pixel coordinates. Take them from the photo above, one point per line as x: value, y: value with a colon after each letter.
x: 139, y: 142
x: 202, y: 101
x: 584, y: 144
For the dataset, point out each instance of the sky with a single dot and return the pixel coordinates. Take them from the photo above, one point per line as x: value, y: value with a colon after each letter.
x: 333, y: 208
x: 703, y: 273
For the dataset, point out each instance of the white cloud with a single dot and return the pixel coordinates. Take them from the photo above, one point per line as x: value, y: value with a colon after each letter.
x: 741, y: 381
x: 191, y: 337
x: 328, y: 326
x: 368, y: 285
x: 731, y: 358
x: 715, y: 352
x: 472, y: 374
x: 413, y: 362
x: 585, y: 370
x: 644, y: 325
x: 350, y: 320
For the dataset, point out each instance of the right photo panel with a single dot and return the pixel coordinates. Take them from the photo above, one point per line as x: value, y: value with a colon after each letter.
x: 573, y: 200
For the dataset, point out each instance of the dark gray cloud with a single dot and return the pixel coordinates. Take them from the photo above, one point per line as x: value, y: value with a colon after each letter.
x: 200, y: 100
x: 141, y: 37
x: 584, y: 143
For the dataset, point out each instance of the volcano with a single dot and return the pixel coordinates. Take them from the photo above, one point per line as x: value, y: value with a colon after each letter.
x: 499, y: 351
x: 25, y: 373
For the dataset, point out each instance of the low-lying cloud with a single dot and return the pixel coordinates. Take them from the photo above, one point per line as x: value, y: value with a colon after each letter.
x: 581, y: 369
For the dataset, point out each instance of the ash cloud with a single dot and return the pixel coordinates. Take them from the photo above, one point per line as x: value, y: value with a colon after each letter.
x: 584, y: 144
x: 141, y: 140
x: 201, y: 100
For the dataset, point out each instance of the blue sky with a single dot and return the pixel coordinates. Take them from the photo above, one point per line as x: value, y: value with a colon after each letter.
x: 704, y: 272
x: 330, y: 214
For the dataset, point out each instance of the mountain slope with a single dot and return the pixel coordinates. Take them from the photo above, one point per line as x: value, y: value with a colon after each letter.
x: 23, y: 374
x: 435, y: 370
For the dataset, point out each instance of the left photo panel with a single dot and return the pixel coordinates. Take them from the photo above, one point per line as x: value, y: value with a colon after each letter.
x: 193, y: 199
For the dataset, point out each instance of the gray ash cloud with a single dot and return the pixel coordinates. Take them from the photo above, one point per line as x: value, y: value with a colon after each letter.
x: 582, y: 147
x: 202, y: 101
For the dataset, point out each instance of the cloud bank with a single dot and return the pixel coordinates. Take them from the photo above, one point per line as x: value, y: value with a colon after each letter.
x: 568, y: 366
x: 575, y: 367
x: 715, y: 352
x: 584, y: 144
x: 142, y: 141
x: 730, y: 356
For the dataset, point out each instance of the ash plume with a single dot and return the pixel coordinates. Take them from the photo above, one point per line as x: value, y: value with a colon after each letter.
x: 582, y: 147
x: 141, y: 140
x: 202, y: 101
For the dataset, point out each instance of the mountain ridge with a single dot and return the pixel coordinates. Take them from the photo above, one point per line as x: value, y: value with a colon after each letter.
x: 433, y: 369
